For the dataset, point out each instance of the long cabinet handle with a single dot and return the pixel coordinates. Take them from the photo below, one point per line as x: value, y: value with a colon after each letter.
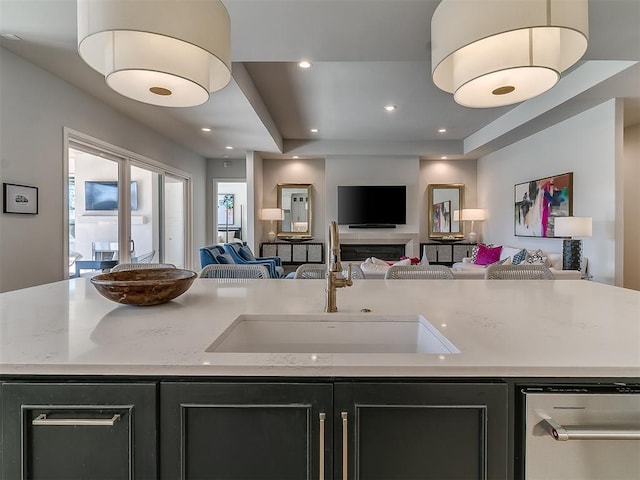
x: 44, y: 421
x: 323, y: 417
x: 562, y: 434
x: 345, y: 445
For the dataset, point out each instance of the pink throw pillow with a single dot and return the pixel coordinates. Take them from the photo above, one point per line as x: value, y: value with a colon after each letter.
x: 488, y: 255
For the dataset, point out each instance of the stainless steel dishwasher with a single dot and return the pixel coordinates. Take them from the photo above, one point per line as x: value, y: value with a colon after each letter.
x: 582, y: 433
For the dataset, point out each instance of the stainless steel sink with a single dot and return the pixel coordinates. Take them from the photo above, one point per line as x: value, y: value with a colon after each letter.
x: 332, y: 333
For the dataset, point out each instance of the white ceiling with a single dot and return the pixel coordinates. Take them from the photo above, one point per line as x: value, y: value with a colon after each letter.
x: 365, y: 54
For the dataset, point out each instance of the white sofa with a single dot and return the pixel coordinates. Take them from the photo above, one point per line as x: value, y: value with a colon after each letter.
x: 467, y: 269
x: 373, y: 267
x: 376, y: 269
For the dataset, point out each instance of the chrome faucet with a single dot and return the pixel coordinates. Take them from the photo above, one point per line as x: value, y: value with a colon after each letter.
x: 335, y: 279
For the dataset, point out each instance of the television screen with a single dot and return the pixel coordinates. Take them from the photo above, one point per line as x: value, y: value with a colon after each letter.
x: 104, y: 195
x: 372, y: 205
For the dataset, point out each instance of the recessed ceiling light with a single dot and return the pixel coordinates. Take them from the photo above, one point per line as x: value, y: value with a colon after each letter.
x: 205, y: 129
x: 229, y: 147
x: 314, y: 130
x: 296, y: 157
x: 443, y: 157
x: 390, y: 108
x: 304, y: 64
x: 442, y: 130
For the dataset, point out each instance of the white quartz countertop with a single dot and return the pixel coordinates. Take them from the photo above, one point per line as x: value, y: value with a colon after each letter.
x: 569, y: 328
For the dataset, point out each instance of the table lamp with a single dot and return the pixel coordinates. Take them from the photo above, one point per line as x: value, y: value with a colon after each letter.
x: 473, y: 214
x: 571, y: 248
x: 272, y: 214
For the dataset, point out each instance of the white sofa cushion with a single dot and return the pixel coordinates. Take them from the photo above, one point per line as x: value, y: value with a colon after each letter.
x: 375, y: 268
x: 508, y: 252
x: 555, y: 260
x: 373, y: 265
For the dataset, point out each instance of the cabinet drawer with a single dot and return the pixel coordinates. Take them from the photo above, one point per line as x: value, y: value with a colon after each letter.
x: 78, y: 431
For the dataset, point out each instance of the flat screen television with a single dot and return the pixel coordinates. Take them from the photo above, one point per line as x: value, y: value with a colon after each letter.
x: 371, y: 206
x: 103, y: 195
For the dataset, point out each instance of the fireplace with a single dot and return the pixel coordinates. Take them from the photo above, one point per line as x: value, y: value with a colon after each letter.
x: 386, y: 251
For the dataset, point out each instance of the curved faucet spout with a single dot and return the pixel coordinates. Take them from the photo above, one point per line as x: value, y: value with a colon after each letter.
x: 335, y: 279
x: 334, y: 248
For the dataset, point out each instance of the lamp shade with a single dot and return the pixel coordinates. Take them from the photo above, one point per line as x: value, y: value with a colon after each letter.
x: 271, y: 214
x: 171, y: 53
x: 490, y: 53
x: 572, y: 227
x: 473, y: 214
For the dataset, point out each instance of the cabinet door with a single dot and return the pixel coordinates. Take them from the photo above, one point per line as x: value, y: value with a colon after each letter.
x: 459, y: 252
x: 421, y: 431
x: 445, y: 254
x: 284, y: 251
x: 268, y: 250
x: 432, y: 252
x: 246, y: 431
x: 78, y: 431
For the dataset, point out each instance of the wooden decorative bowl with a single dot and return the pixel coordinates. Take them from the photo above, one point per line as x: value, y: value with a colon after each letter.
x: 144, y: 286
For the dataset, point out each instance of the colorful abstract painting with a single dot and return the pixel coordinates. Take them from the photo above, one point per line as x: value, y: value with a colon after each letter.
x: 539, y: 202
x: 442, y: 217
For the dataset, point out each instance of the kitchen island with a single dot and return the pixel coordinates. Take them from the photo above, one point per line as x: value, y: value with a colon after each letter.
x: 502, y: 329
x: 173, y: 409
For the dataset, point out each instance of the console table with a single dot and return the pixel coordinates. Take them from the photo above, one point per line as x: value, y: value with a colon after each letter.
x: 294, y: 253
x: 447, y: 253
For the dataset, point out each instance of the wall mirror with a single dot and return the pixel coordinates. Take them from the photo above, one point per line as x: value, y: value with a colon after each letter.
x: 444, y: 200
x: 295, y: 201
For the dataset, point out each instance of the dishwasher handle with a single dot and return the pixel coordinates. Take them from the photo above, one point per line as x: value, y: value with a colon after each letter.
x: 562, y: 434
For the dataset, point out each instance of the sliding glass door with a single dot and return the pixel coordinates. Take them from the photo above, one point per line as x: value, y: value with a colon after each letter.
x: 174, y: 221
x: 109, y: 224
x: 94, y: 218
x: 145, y: 215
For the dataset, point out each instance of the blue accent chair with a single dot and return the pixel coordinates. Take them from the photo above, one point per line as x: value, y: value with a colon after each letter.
x: 209, y: 253
x: 242, y: 254
x: 245, y: 252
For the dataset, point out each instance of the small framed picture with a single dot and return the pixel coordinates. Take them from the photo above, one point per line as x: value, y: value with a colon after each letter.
x: 19, y: 199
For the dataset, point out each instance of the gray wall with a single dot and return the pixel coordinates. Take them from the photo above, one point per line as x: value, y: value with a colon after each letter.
x: 585, y: 145
x: 36, y: 106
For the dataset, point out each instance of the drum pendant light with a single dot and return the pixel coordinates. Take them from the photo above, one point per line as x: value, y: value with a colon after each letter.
x: 171, y: 53
x: 491, y: 53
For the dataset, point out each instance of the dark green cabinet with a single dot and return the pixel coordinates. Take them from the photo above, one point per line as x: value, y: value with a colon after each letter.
x: 371, y: 431
x: 410, y: 431
x: 72, y: 431
x: 246, y: 431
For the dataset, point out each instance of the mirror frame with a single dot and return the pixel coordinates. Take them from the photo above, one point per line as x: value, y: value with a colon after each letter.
x: 445, y: 186
x: 296, y: 235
